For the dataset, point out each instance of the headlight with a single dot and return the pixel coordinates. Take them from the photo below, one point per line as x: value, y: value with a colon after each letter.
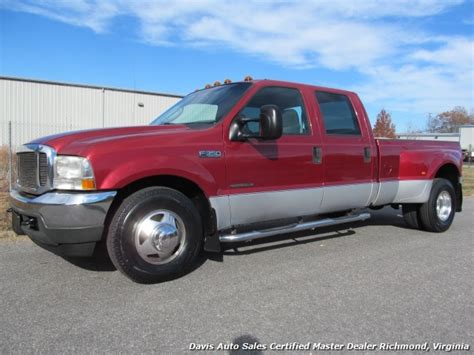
x: 73, y: 173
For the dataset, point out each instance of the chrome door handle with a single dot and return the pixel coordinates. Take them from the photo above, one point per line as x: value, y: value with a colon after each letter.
x: 317, y: 155
x: 367, y: 155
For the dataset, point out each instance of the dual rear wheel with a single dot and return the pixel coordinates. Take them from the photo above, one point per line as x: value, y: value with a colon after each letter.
x: 435, y: 215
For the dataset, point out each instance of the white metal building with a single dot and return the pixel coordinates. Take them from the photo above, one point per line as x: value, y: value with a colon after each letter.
x: 37, y: 108
x: 465, y: 137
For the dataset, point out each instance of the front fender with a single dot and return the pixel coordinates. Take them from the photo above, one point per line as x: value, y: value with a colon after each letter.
x: 128, y: 171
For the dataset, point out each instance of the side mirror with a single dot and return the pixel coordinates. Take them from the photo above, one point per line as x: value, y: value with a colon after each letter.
x: 271, y: 122
x: 270, y: 125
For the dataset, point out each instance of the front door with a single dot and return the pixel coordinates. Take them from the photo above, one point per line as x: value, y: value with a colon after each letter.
x: 270, y: 180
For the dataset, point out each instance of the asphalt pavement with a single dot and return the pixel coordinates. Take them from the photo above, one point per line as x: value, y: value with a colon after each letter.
x: 373, y: 282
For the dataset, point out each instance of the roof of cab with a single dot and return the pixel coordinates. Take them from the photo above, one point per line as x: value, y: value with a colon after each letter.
x: 270, y: 82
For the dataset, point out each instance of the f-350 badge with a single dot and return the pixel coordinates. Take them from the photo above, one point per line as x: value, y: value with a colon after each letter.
x: 210, y: 154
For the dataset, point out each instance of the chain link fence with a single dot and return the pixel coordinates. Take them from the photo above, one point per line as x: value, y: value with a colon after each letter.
x: 7, y: 163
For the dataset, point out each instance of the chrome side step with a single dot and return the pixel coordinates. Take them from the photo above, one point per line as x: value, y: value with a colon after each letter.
x: 292, y: 228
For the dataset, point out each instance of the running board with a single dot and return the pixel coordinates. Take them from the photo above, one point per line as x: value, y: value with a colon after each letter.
x: 227, y: 238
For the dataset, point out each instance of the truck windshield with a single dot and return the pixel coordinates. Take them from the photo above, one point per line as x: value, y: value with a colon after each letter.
x: 203, y: 107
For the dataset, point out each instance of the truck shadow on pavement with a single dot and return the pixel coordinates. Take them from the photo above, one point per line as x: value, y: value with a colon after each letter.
x: 386, y: 216
x: 101, y: 262
x: 95, y: 263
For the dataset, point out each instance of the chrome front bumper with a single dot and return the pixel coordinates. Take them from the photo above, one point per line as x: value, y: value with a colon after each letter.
x: 66, y: 222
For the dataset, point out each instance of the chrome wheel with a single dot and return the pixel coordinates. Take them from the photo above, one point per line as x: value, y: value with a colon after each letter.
x: 159, y: 237
x: 444, y: 206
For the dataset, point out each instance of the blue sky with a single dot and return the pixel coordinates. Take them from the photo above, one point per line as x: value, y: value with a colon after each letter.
x: 412, y: 57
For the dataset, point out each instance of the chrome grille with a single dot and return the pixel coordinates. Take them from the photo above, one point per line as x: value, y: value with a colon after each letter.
x: 43, y: 169
x: 34, y: 170
x: 28, y: 170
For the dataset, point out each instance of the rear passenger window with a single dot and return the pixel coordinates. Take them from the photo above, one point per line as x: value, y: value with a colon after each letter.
x: 338, y: 115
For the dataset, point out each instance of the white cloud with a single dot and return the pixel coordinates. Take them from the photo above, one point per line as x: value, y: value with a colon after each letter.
x: 371, y: 37
x: 457, y: 53
x: 418, y: 89
x: 437, y: 80
x: 95, y: 15
x: 336, y: 34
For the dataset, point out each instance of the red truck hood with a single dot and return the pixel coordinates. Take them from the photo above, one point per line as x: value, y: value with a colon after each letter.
x: 76, y: 142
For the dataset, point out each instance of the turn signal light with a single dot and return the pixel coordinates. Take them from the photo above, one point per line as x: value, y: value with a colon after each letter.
x: 88, y: 184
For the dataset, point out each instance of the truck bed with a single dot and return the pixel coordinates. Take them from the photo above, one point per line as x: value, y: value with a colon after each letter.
x: 412, y: 159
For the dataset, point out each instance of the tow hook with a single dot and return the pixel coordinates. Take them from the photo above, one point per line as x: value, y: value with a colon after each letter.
x: 29, y: 222
x: 25, y: 221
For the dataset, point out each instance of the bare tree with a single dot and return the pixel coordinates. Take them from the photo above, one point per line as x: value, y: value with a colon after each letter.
x: 432, y: 124
x: 384, y: 126
x: 449, y: 121
x: 412, y: 129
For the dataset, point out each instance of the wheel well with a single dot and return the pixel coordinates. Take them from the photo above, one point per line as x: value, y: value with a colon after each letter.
x: 449, y: 172
x: 185, y: 186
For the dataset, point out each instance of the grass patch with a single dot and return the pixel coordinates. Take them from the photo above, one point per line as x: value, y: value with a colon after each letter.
x: 468, y: 180
x: 5, y: 218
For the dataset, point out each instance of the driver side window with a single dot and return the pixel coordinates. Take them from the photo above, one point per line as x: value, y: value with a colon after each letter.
x: 290, y: 103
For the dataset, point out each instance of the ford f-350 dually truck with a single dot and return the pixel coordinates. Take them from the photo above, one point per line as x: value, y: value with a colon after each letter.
x: 228, y: 163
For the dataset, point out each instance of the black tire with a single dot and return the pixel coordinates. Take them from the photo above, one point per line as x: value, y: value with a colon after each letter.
x: 429, y: 218
x: 121, y: 236
x: 411, y: 215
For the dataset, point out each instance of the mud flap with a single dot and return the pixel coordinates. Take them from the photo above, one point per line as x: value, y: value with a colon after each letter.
x: 212, y: 243
x: 459, y: 197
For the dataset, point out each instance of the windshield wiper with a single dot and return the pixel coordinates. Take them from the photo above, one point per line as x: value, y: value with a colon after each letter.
x: 199, y: 122
x: 187, y: 123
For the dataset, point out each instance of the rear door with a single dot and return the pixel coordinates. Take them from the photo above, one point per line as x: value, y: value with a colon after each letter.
x: 349, y: 154
x: 269, y: 180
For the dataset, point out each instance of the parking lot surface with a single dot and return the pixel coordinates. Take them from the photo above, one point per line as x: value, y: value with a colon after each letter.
x: 371, y: 282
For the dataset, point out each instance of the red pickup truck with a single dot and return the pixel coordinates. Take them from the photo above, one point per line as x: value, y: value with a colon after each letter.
x: 229, y: 163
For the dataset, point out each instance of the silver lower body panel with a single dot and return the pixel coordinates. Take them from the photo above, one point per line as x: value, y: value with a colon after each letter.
x: 247, y: 208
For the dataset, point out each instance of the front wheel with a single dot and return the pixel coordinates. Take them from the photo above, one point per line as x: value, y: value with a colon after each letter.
x: 155, y: 235
x: 437, y: 214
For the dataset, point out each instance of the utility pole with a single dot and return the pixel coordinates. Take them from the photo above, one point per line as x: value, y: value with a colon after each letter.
x: 103, y: 107
x: 10, y: 156
x: 430, y: 119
